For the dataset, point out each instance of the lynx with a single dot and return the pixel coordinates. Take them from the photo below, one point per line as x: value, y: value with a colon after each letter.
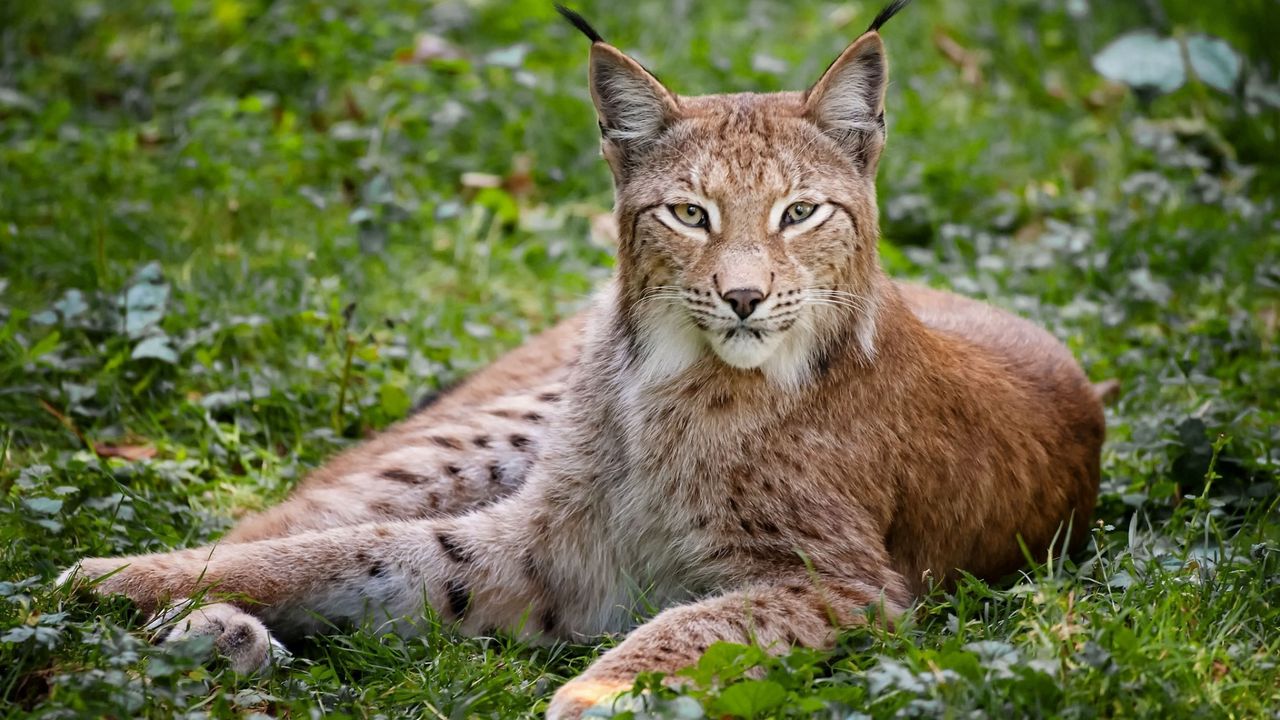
x: 752, y: 427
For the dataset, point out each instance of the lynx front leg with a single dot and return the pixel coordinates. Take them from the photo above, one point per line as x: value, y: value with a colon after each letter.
x: 777, y: 616
x: 472, y: 570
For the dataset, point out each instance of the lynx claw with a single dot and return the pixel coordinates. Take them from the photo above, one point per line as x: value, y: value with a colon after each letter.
x: 239, y: 637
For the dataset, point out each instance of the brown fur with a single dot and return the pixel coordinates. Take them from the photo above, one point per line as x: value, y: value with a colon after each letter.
x: 765, y: 478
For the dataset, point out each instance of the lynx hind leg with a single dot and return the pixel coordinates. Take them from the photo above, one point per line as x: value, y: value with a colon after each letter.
x: 237, y: 636
x: 428, y: 466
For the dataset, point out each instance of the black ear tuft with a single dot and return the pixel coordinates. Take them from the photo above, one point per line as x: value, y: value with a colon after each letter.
x: 883, y: 17
x: 579, y: 22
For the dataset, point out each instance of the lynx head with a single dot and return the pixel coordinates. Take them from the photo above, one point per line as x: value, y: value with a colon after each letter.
x: 747, y: 223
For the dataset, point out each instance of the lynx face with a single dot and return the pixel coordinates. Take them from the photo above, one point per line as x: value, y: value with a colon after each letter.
x: 747, y: 222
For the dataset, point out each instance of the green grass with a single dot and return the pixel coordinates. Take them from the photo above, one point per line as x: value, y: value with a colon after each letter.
x: 271, y: 196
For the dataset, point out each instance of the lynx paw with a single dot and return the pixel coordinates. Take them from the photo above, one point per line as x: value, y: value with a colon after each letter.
x: 239, y: 637
x: 582, y: 694
x: 148, y: 580
x: 85, y: 569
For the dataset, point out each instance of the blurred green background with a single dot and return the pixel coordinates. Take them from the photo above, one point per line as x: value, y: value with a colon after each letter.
x: 236, y: 236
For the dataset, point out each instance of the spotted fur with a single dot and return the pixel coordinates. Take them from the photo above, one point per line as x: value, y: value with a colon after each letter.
x: 767, y: 476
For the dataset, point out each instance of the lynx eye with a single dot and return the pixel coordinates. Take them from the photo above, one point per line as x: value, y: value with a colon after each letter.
x: 798, y: 213
x: 688, y: 214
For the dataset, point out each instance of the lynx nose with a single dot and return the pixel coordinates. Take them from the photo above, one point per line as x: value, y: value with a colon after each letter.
x: 743, y: 300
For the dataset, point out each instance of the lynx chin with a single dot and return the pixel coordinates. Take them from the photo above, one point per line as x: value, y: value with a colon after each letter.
x: 752, y: 427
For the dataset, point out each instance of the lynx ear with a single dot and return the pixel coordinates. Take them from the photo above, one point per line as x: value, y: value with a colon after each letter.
x: 847, y: 102
x: 634, y: 108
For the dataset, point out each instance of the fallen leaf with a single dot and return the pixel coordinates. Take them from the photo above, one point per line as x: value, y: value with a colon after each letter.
x: 968, y: 62
x: 519, y: 182
x: 132, y: 453
x: 66, y: 421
